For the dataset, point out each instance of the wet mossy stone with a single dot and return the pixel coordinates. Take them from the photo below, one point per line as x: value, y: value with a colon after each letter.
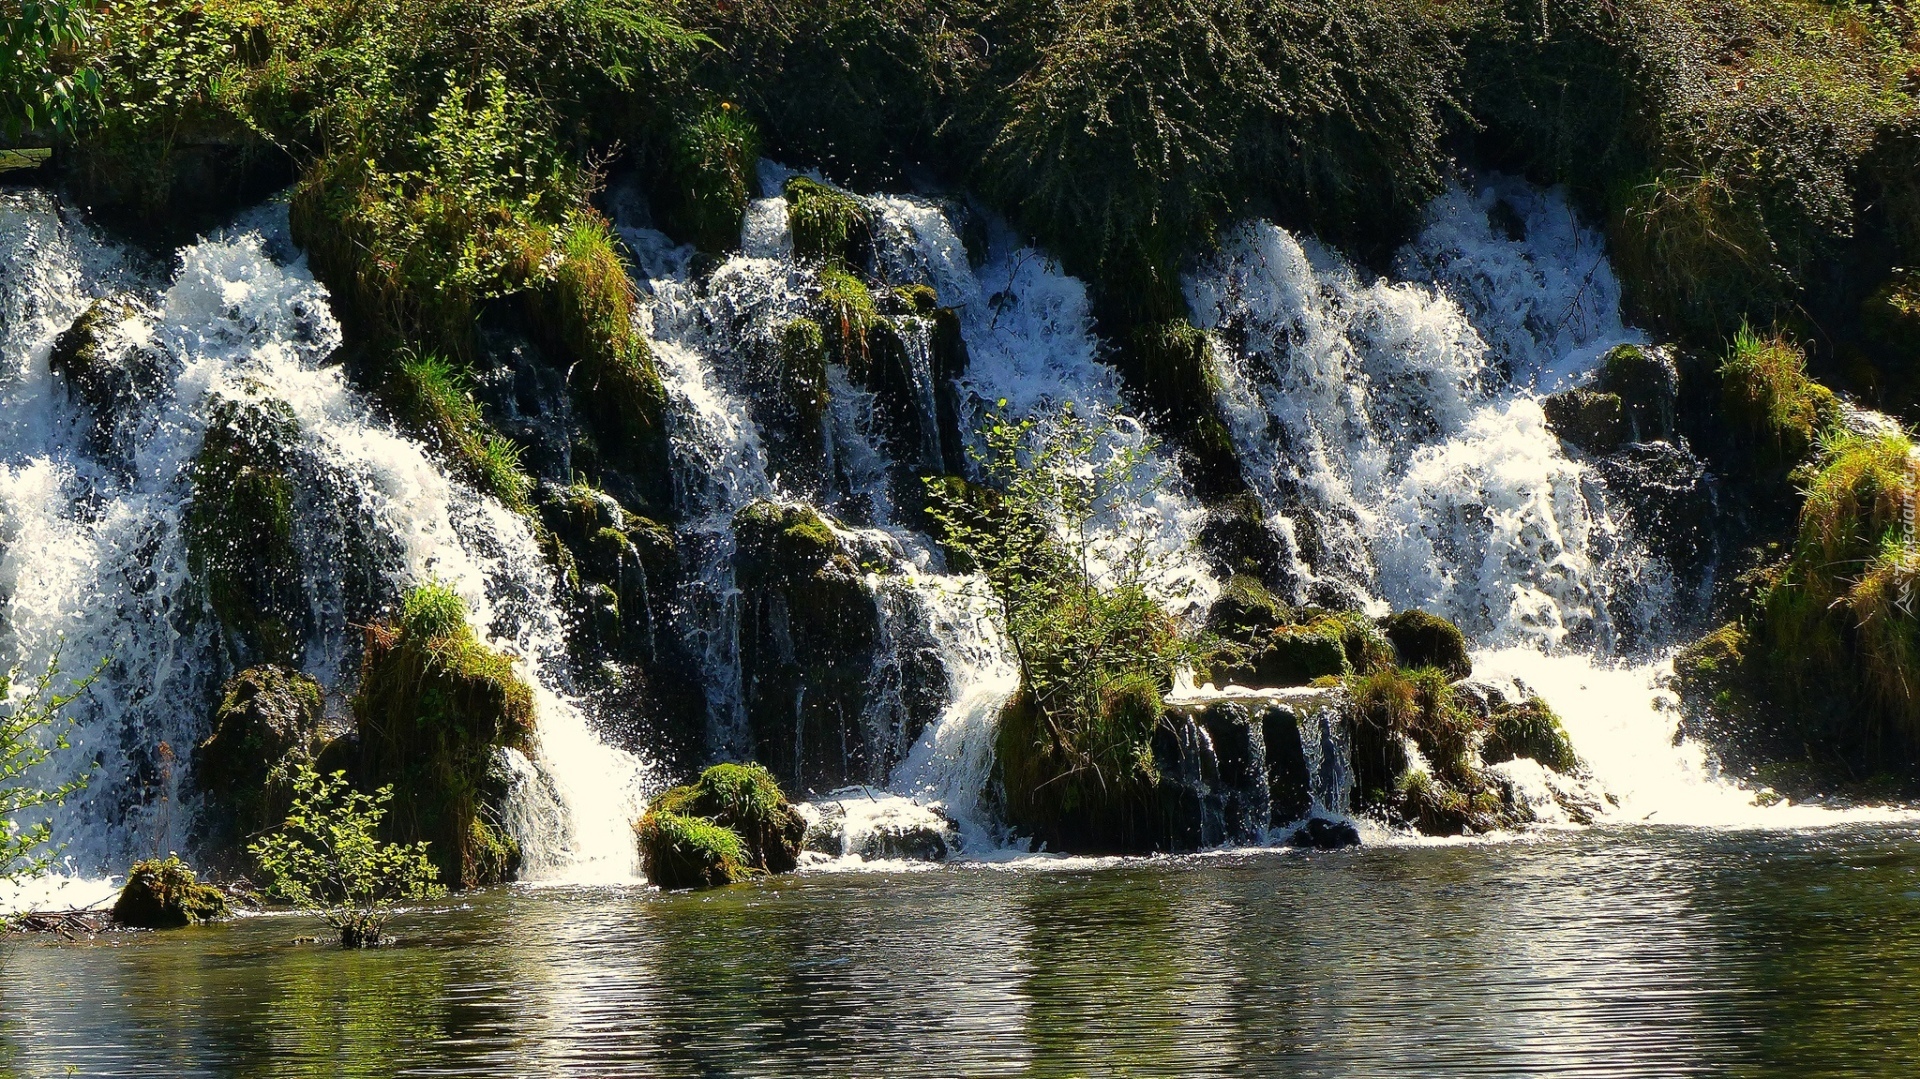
x: 746, y: 800
x: 1169, y: 369
x: 1245, y: 610
x: 1298, y: 655
x: 710, y: 170
x: 1588, y: 419
x: 847, y: 315
x: 105, y: 374
x: 164, y: 894
x: 803, y: 369
x: 678, y: 851
x: 1236, y: 540
x: 1050, y: 794
x: 239, y: 526
x: 1529, y: 729
x: 266, y: 725
x: 1319, y: 833
x: 433, y: 705
x: 828, y: 224
x: 1890, y: 316
x: 1647, y: 381
x: 1421, y: 639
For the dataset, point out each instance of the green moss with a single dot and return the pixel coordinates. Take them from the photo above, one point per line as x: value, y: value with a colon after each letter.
x: 164, y: 894
x: 433, y: 704
x: 746, y: 800
x: 1391, y: 707
x: 784, y: 543
x: 828, y: 225
x: 686, y: 852
x: 711, y: 172
x: 1170, y: 367
x: 1530, y: 729
x: 266, y: 724
x: 239, y: 526
x: 1426, y: 640
x: 803, y: 367
x: 1593, y: 421
x: 919, y: 300
x: 1245, y: 611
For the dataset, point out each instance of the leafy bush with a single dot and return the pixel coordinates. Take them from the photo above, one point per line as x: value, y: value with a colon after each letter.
x: 41, y: 87
x: 1095, y: 648
x: 328, y: 859
x: 33, y: 727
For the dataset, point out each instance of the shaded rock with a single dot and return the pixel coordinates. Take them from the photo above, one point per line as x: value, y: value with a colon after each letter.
x: 1647, y: 382
x: 102, y: 367
x: 1237, y: 542
x: 239, y: 527
x: 1319, y: 833
x: 164, y: 894
x: 1592, y: 421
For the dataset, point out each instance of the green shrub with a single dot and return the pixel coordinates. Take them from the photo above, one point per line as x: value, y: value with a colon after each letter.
x: 711, y: 172
x: 828, y: 225
x: 1766, y: 390
x: 686, y: 852
x: 746, y: 801
x: 163, y: 893
x: 41, y: 87
x: 327, y: 858
x: 33, y: 727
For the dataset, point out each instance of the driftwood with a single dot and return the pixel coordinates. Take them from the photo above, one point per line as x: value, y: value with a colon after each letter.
x: 72, y: 923
x: 30, y: 158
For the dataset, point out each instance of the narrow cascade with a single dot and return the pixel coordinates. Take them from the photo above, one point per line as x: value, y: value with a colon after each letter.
x: 93, y: 562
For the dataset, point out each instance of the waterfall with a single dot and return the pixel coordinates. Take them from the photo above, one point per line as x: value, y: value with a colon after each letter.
x: 92, y: 559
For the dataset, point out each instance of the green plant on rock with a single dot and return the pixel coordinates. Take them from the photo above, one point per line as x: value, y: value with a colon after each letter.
x: 678, y: 851
x: 1529, y: 729
x: 266, y: 724
x: 327, y: 858
x: 1096, y: 649
x: 712, y: 171
x: 163, y: 893
x: 433, y: 706
x: 34, y: 726
x: 742, y: 800
x: 433, y: 397
x: 1765, y: 385
x: 1390, y: 708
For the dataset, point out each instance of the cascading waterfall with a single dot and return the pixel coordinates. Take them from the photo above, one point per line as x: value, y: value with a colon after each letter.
x: 94, y: 564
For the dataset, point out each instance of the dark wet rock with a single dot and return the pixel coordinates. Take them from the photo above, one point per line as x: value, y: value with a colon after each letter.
x: 1588, y: 419
x: 267, y: 724
x: 1237, y: 541
x: 879, y: 828
x: 103, y: 369
x: 1647, y: 382
x: 239, y: 527
x: 1319, y: 833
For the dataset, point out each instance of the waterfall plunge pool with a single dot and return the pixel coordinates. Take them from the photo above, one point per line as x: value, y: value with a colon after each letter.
x: 1609, y: 951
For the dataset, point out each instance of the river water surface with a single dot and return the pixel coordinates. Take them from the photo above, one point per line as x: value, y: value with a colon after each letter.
x: 1611, y: 951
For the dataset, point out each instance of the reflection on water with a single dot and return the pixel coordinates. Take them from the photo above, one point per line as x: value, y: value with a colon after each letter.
x: 1610, y: 952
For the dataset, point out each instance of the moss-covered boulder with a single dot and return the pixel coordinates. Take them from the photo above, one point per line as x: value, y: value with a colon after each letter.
x: 163, y: 893
x: 1529, y: 729
x: 1768, y: 397
x: 239, y: 527
x: 433, y: 706
x: 1589, y: 419
x: 849, y: 316
x: 1415, y: 760
x: 746, y: 800
x: 267, y: 724
x: 1245, y: 611
x: 1237, y: 542
x: 828, y: 224
x: 1647, y: 383
x: 1428, y: 640
x: 687, y: 852
x: 1098, y: 794
x: 709, y: 171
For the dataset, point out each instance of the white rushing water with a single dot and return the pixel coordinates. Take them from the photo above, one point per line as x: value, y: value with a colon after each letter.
x: 1391, y: 428
x: 92, y: 560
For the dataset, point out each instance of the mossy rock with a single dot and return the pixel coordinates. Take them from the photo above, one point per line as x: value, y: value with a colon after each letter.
x: 1647, y: 382
x: 1421, y: 639
x: 1051, y: 794
x: 803, y: 369
x: 678, y: 851
x: 1245, y: 611
x: 164, y: 894
x: 239, y: 526
x: 710, y: 171
x: 1591, y: 420
x: 1530, y: 729
x: 1890, y: 316
x: 747, y: 800
x: 1169, y: 369
x: 1237, y: 542
x: 266, y: 725
x: 433, y: 705
x: 848, y: 315
x: 1391, y: 707
x: 105, y: 375
x: 828, y: 224
x: 1765, y: 389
